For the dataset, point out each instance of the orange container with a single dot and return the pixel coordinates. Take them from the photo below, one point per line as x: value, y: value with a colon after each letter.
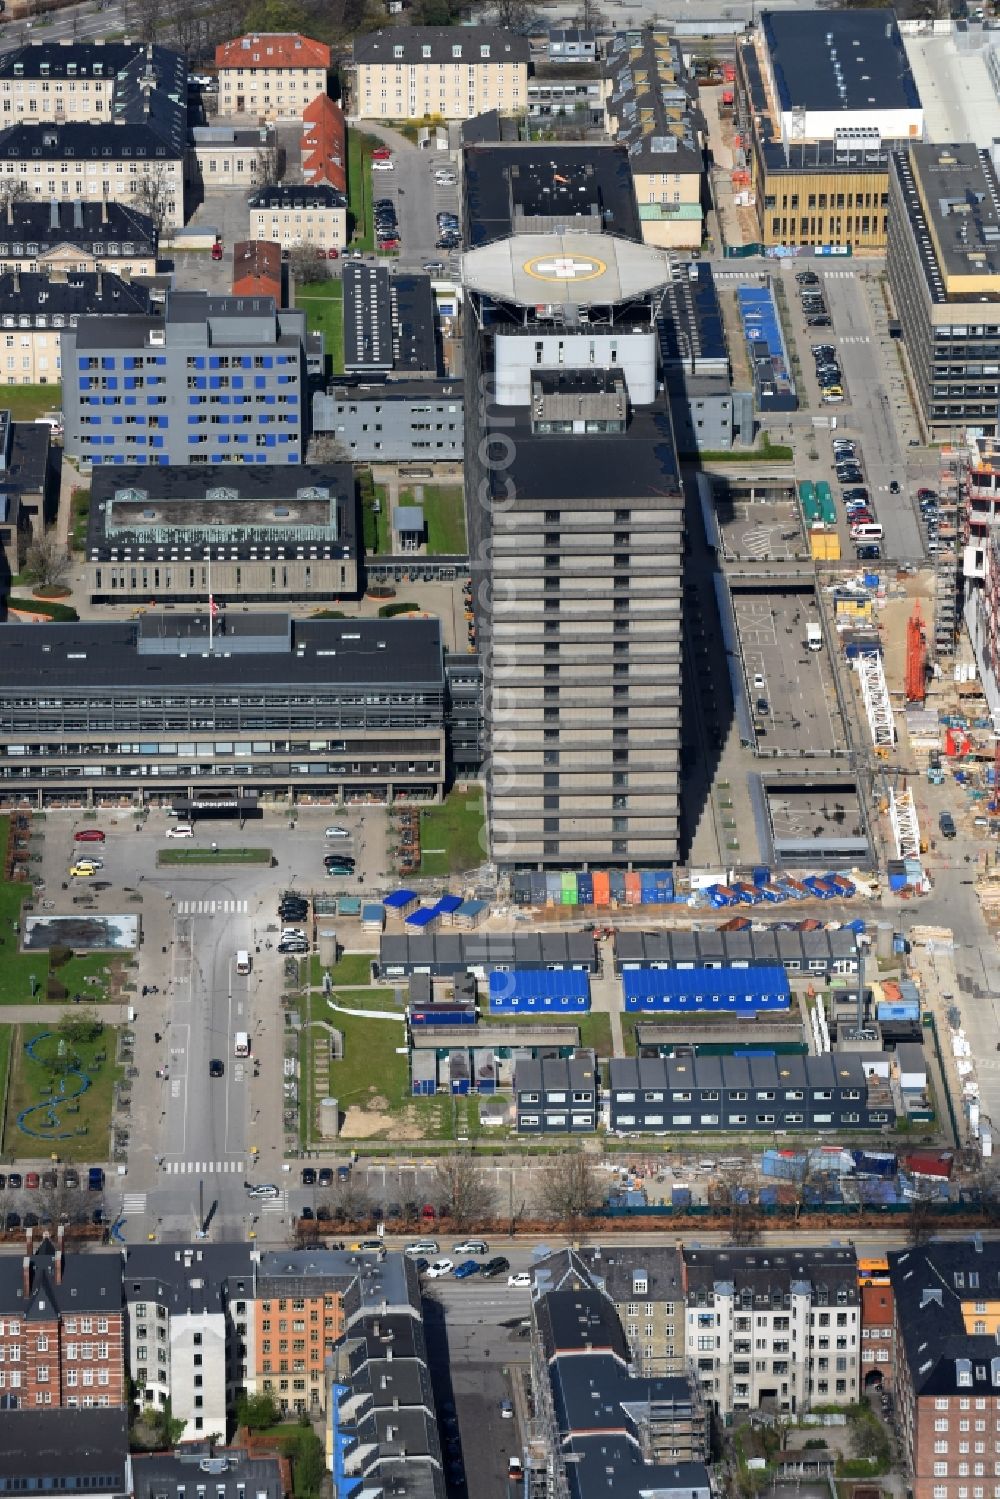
x: 633, y: 888
x: 602, y: 887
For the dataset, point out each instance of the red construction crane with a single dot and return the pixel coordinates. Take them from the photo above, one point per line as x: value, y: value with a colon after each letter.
x: 916, y: 657
x: 995, y: 802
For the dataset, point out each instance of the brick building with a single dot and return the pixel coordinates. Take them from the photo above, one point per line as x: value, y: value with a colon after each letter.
x: 61, y: 1328
x: 299, y: 1315
x: 878, y: 1336
x: 947, y: 1369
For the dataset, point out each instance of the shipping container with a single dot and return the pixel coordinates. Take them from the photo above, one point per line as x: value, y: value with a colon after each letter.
x: 569, y: 893
x: 553, y: 890
x: 761, y: 876
x: 616, y: 879
x: 442, y: 1015
x: 538, y: 887
x: 602, y: 888
x: 585, y: 888
x: 521, y: 889
x: 633, y: 887
x: 824, y: 498
x: 900, y: 1010
x: 680, y: 1196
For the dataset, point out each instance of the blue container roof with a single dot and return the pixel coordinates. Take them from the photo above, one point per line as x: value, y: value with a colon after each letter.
x: 550, y: 983
x: 423, y: 917
x: 470, y: 907
x: 710, y: 988
x: 448, y: 903
x: 398, y: 898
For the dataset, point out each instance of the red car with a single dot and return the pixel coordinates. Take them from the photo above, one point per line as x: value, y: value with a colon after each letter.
x: 388, y: 244
x: 217, y: 250
x: 381, y: 153
x: 31, y: 1180
x: 89, y: 835
x: 333, y: 254
x: 427, y: 1211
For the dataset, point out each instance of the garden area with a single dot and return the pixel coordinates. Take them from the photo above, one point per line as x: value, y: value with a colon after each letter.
x: 444, y: 513
x: 323, y: 304
x: 61, y: 1091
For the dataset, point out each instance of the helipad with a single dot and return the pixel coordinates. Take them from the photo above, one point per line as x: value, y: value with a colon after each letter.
x: 533, y: 269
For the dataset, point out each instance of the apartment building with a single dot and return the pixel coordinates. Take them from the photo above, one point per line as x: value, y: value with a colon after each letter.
x: 36, y: 309
x: 216, y: 379
x: 647, y: 1288
x: 70, y: 80
x: 943, y: 265
x: 418, y: 71
x: 235, y: 1471
x: 190, y: 1329
x: 311, y: 213
x: 46, y: 238
x: 600, y: 1424
x: 323, y: 146
x: 25, y: 478
x: 298, y: 1318
x: 821, y: 102
x: 777, y: 1327
x: 271, y: 532
x: 270, y: 75
x: 108, y: 160
x: 556, y: 1094
x: 257, y: 270
x: 61, y: 1328
x: 878, y: 1334
x: 947, y: 1374
x: 252, y: 707
x: 51, y: 1453
x: 232, y: 156
x: 651, y: 107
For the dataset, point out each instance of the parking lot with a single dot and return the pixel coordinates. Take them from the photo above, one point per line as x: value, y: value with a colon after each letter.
x: 811, y: 813
x: 791, y: 691
x: 417, y: 199
x: 760, y: 531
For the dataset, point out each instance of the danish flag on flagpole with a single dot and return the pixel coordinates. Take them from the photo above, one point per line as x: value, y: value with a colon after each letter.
x: 213, y: 607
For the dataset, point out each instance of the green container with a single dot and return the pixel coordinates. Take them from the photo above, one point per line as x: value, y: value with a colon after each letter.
x: 569, y: 891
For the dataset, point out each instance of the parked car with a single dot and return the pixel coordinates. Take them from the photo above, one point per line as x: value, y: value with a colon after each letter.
x: 336, y: 831
x: 499, y: 1265
x: 89, y: 835
x: 217, y: 250
x: 947, y: 825
x: 180, y: 830
x: 381, y: 153
x: 506, y: 1410
x: 308, y: 1176
x: 466, y: 1268
x: 32, y: 1180
x: 818, y: 322
x: 870, y: 552
x: 471, y: 1246
x: 807, y: 278
x: 521, y: 1280
x: 421, y: 1246
x: 440, y: 1268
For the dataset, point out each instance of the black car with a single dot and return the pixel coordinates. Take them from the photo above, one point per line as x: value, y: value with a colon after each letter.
x: 329, y: 859
x: 818, y: 322
x: 307, y: 1213
x: 870, y: 552
x: 15, y: 1181
x: 497, y: 1266
x: 947, y: 825
x: 308, y: 1176
x: 294, y: 908
x: 12, y: 1220
x: 297, y: 945
x: 216, y: 1067
x: 807, y: 278
x: 326, y: 1176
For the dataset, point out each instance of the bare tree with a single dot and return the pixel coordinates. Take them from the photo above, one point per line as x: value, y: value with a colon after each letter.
x: 48, y: 563
x: 269, y: 164
x: 922, y: 1223
x: 464, y: 1191
x: 570, y: 1189
x: 350, y: 1201
x: 306, y: 264
x: 589, y: 17
x: 12, y: 190
x: 735, y: 1196
x: 154, y: 195
x: 512, y: 15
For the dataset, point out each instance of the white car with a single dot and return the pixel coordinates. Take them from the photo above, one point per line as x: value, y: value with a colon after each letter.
x: 181, y: 830
x: 421, y: 1247
x: 522, y: 1280
x: 471, y: 1246
x: 292, y: 934
x: 268, y: 1192
x: 88, y: 863
x: 439, y: 1268
x: 382, y: 166
x: 758, y: 680
x: 336, y: 832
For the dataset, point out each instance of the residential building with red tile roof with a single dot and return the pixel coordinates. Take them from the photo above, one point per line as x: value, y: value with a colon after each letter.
x: 257, y: 269
x: 324, y: 143
x: 270, y: 75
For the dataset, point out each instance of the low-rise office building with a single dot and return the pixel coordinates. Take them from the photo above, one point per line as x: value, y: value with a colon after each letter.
x: 394, y: 423
x: 651, y: 109
x: 943, y: 264
x: 416, y: 71
x: 245, y: 533
x: 247, y: 705
x: 819, y: 954
x: 54, y: 1452
x: 776, y: 1327
x: 822, y: 100
x: 311, y: 213
x: 216, y: 379
x: 231, y: 156
x: 51, y: 237
x: 661, y: 1095
x: 270, y: 75
x: 556, y: 1095
x: 390, y: 326
x: 35, y: 309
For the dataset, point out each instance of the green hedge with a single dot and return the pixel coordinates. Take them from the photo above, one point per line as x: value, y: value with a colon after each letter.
x: 388, y: 610
x: 64, y: 613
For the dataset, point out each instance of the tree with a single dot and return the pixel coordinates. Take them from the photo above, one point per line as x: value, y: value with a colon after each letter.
x: 571, y: 1190
x: 257, y: 1412
x: 48, y: 563
x: 306, y: 264
x: 589, y: 16
x: 79, y: 1027
x: 512, y: 15
x: 349, y: 1202
x: 12, y: 190
x: 269, y: 164
x: 276, y: 15
x: 463, y: 1189
x: 154, y: 195
x: 734, y: 1195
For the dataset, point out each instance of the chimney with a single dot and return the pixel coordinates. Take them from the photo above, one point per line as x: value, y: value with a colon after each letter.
x: 77, y: 214
x: 29, y: 1246
x: 17, y: 281
x: 100, y: 285
x: 10, y: 209
x: 60, y: 1252
x: 104, y: 204
x: 26, y: 1276
x: 54, y: 214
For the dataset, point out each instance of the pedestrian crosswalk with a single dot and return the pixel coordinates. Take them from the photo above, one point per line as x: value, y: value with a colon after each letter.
x: 212, y: 907
x: 134, y: 1203
x: 278, y: 1204
x: 202, y: 1168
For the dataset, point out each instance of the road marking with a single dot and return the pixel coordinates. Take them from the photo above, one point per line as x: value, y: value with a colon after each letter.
x: 134, y: 1202
x: 210, y: 907
x: 278, y: 1205
x: 214, y: 1168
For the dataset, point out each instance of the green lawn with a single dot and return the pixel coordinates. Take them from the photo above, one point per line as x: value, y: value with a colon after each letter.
x: 6, y: 1036
x: 323, y: 304
x: 80, y: 517
x: 25, y: 402
x: 86, y: 1119
x: 452, y: 835
x: 353, y: 968
x: 359, y: 188
x: 444, y: 512
x: 375, y: 524
x: 213, y: 856
x: 374, y: 1073
x: 16, y: 967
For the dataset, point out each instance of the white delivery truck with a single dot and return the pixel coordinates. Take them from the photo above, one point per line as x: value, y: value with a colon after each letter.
x: 243, y: 961
x: 241, y: 1044
x: 814, y: 637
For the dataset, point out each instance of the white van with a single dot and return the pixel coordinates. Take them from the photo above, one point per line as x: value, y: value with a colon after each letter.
x: 241, y: 1044
x: 243, y: 964
x: 870, y: 531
